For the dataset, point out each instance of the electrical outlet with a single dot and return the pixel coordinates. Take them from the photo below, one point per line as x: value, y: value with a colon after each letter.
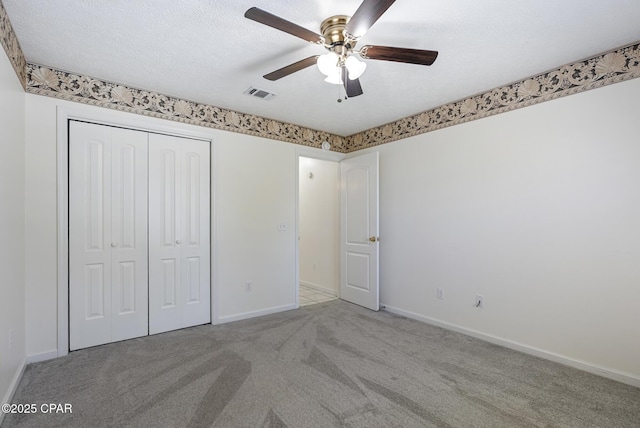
x: 11, y: 339
x: 479, y: 301
x: 247, y: 286
x: 440, y: 293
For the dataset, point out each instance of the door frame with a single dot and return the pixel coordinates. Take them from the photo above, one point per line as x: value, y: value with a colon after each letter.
x: 308, y: 152
x: 121, y: 120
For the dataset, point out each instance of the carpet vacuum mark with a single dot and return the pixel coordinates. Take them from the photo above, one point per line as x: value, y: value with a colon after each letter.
x: 332, y: 364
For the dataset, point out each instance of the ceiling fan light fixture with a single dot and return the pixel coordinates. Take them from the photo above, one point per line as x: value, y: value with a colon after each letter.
x: 328, y: 63
x: 335, y: 77
x: 355, y: 67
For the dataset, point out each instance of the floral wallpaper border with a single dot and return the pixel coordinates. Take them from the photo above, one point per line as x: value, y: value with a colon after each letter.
x: 11, y: 46
x: 601, y: 70
x: 605, y: 69
x: 73, y: 87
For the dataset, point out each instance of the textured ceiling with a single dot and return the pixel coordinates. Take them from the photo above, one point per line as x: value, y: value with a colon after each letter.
x: 206, y: 51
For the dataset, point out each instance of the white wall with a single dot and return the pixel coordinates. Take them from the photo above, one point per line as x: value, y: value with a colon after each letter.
x: 12, y: 257
x: 538, y: 210
x: 319, y: 214
x: 255, y: 185
x: 253, y: 191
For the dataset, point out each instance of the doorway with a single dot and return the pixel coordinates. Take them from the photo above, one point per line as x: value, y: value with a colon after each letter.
x: 319, y: 230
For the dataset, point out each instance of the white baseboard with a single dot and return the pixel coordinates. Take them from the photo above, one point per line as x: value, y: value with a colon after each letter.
x: 12, y: 386
x: 616, y: 375
x: 319, y: 288
x: 42, y: 356
x: 253, y: 314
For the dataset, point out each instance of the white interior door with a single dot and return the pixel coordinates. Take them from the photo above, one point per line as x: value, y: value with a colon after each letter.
x: 179, y: 233
x: 107, y: 234
x: 359, y: 231
x: 129, y: 246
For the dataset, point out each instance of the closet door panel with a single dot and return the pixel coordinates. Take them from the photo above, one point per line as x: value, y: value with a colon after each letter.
x: 168, y: 284
x: 107, y: 234
x: 164, y: 221
x: 196, y: 231
x: 129, y: 217
x: 179, y: 229
x: 89, y: 236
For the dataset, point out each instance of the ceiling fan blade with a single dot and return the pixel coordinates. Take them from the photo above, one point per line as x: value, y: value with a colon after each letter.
x: 366, y: 15
x: 387, y: 53
x: 352, y: 87
x: 278, y: 23
x: 291, y: 68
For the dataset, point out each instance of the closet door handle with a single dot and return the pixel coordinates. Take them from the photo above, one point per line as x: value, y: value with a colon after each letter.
x: 178, y: 242
x: 114, y: 244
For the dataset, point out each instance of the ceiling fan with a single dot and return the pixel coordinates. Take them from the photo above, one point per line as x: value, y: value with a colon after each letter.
x: 340, y: 33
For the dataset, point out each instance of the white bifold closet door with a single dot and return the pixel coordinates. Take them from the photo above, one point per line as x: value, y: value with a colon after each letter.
x: 179, y: 233
x: 139, y: 234
x: 107, y: 234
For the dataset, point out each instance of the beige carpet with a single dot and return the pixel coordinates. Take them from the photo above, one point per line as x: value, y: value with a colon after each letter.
x: 333, y: 364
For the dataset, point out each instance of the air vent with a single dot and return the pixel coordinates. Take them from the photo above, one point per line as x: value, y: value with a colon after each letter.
x: 259, y: 93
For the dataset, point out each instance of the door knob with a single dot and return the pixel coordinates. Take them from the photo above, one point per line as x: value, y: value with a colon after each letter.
x: 374, y: 238
x: 114, y: 244
x: 178, y: 242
